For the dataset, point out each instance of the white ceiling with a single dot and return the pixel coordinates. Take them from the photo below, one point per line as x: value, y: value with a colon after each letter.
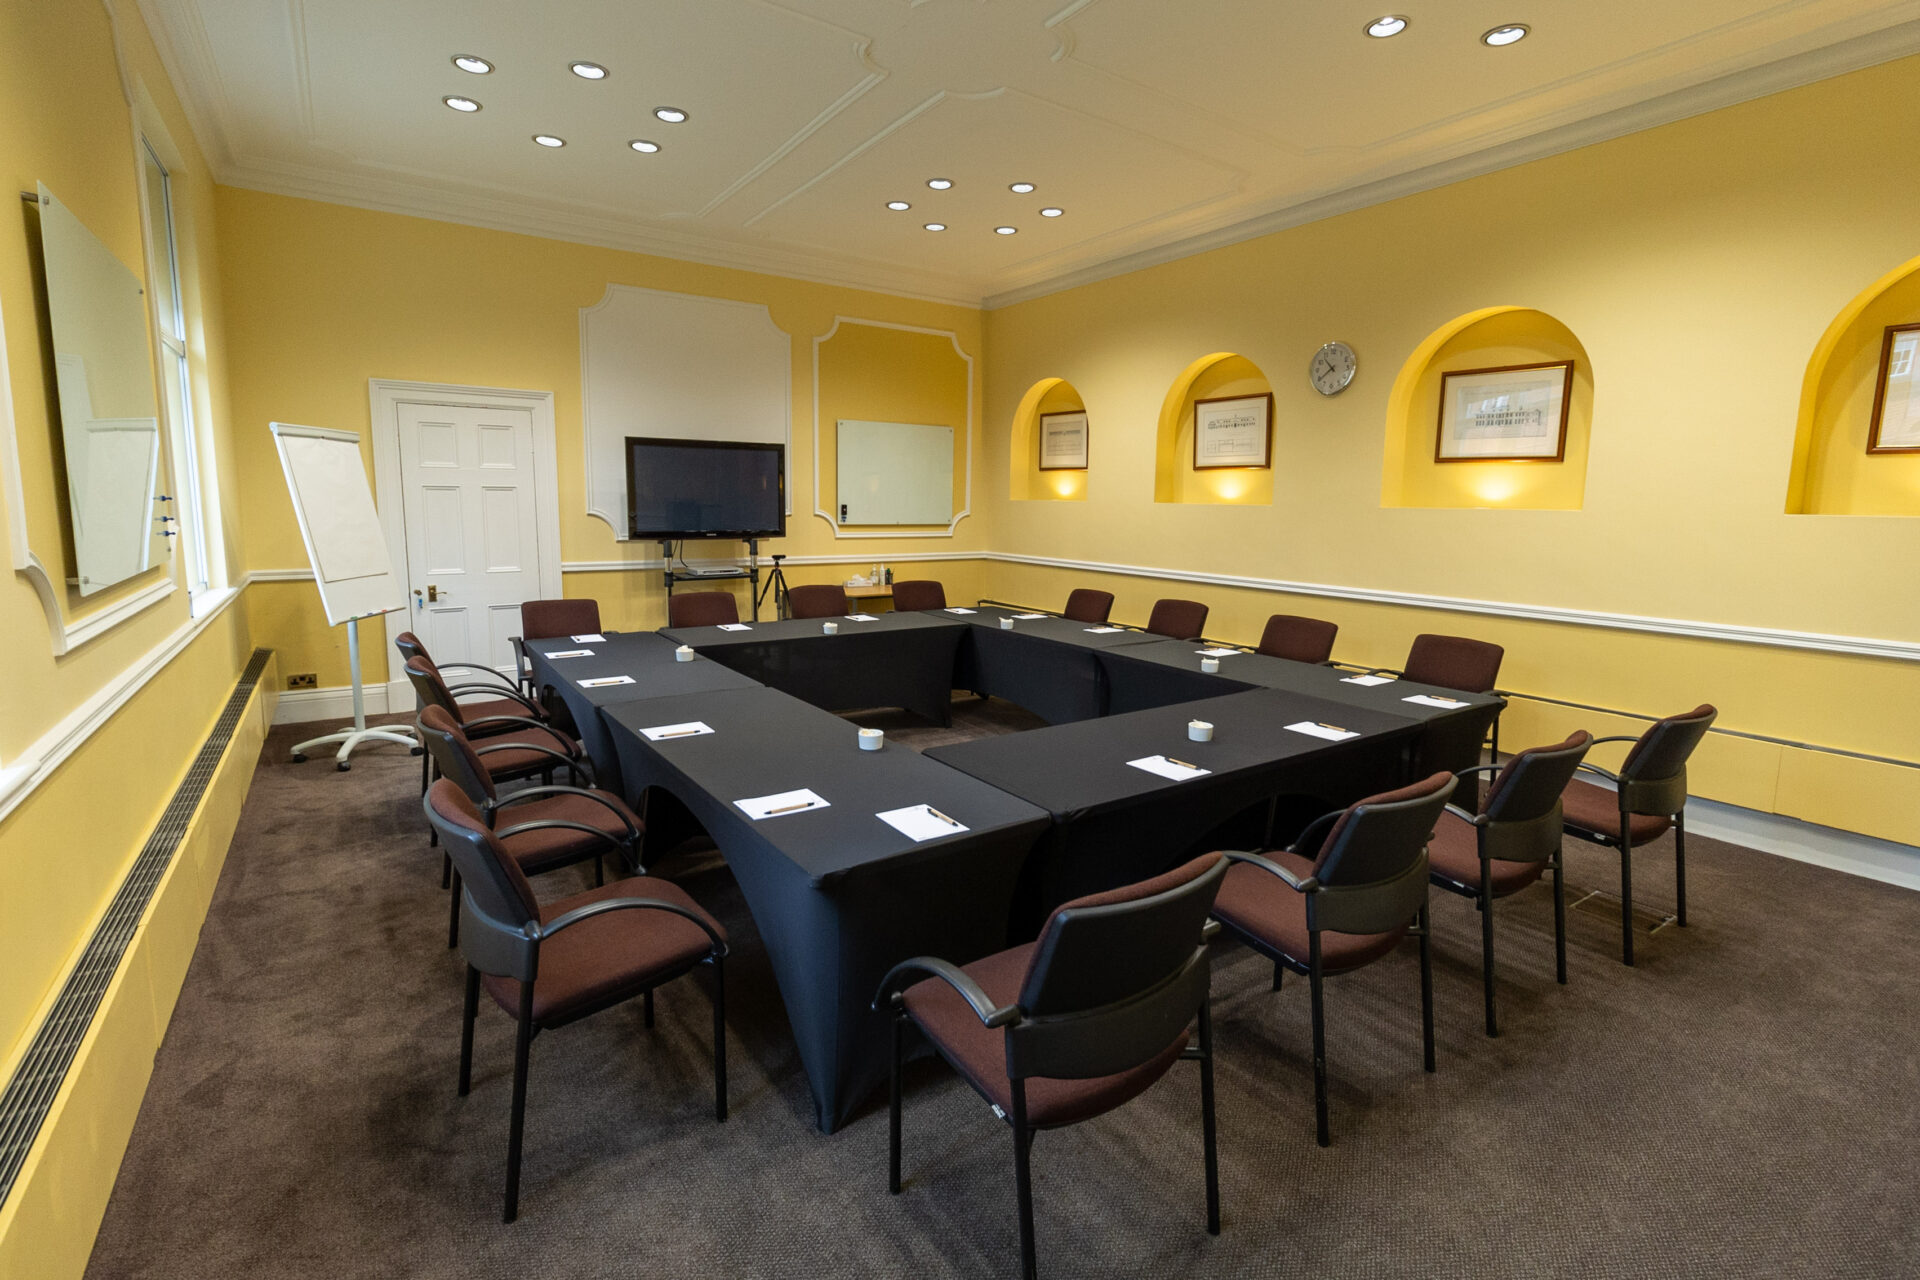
x: 1158, y: 127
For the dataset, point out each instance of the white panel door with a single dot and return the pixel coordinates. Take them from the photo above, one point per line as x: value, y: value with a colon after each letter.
x: 472, y: 528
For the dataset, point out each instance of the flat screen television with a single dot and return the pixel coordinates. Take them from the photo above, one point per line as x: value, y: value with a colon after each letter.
x: 705, y: 489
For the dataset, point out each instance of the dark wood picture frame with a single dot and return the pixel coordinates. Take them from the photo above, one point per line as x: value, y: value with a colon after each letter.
x: 1566, y: 409
x: 1880, y: 390
x: 1266, y: 447
x: 1086, y: 450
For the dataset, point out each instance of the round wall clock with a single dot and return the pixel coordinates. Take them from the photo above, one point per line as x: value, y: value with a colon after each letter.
x: 1332, y: 368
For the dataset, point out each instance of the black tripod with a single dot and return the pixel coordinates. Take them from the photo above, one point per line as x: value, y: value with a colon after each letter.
x: 777, y: 587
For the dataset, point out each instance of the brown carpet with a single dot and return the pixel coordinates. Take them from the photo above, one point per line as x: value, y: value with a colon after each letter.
x: 1745, y: 1103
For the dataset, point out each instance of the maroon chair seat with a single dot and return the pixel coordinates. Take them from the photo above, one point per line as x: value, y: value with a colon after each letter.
x: 1297, y: 639
x: 922, y: 593
x: 1256, y: 902
x: 818, y: 600
x: 702, y: 609
x: 1597, y: 810
x: 1454, y: 852
x: 1084, y: 604
x: 1177, y: 619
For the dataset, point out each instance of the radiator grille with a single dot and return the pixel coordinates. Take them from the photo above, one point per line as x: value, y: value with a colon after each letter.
x: 30, y: 1093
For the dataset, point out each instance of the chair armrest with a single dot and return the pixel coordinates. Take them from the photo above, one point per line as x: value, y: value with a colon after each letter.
x: 1618, y: 737
x: 524, y: 722
x: 500, y: 693
x: 598, y: 797
x: 571, y: 762
x: 1479, y: 768
x: 1316, y: 829
x: 1265, y: 864
x: 1608, y: 774
x: 558, y: 824
x: 481, y: 667
x: 970, y: 991
x: 1473, y: 819
x: 605, y: 905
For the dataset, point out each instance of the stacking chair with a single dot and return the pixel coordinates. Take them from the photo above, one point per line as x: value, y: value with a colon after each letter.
x: 1177, y: 619
x: 1649, y: 796
x: 1342, y: 897
x: 549, y: 620
x: 552, y: 827
x: 1455, y: 662
x: 820, y: 600
x: 1084, y: 604
x: 1297, y: 639
x: 702, y: 609
x: 922, y: 593
x: 496, y: 696
x: 1074, y: 1024
x: 554, y: 964
x: 1508, y: 844
x: 514, y: 746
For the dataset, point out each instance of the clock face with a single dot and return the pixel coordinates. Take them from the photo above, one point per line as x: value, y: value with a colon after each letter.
x: 1332, y: 368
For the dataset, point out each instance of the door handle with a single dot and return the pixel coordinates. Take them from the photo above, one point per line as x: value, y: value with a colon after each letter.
x: 433, y: 593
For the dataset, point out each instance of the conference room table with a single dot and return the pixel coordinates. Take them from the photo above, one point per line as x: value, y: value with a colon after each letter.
x: 839, y: 895
x: 892, y: 660
x: 1046, y: 664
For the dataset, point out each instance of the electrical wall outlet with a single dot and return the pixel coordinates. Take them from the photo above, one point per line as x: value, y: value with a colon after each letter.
x: 303, y: 680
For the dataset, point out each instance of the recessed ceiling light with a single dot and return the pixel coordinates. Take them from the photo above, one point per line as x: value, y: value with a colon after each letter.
x: 939, y: 184
x: 898, y: 206
x: 1391, y: 24
x: 467, y: 62
x: 672, y: 115
x: 1005, y: 231
x: 1051, y: 213
x: 643, y: 146
x: 936, y: 226
x: 548, y: 140
x: 1510, y: 33
x: 462, y: 104
x: 588, y: 70
x: 1021, y: 188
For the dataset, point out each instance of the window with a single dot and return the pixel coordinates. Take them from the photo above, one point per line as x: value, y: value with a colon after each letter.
x: 176, y: 386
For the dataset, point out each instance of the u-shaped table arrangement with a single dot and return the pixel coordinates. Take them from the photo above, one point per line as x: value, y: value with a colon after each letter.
x: 992, y: 833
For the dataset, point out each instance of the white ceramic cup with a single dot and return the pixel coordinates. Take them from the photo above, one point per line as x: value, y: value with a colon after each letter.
x: 1209, y: 665
x: 1006, y: 624
x: 1200, y: 730
x: 830, y: 628
x: 872, y: 739
x: 683, y: 654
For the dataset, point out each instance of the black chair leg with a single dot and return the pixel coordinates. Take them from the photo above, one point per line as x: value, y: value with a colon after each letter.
x: 1486, y: 949
x: 1023, y: 1179
x: 1559, y: 921
x: 1680, y: 867
x: 1207, y: 1138
x: 446, y: 867
x: 646, y: 1009
x: 1314, y: 982
x: 893, y: 1107
x: 599, y: 870
x: 719, y: 1039
x: 522, y: 1044
x: 453, y: 914
x: 1426, y: 987
x: 1626, y: 892
x: 1279, y: 971
x: 472, y: 1007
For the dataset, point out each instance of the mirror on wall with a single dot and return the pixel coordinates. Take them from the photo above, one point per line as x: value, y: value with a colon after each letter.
x: 109, y: 423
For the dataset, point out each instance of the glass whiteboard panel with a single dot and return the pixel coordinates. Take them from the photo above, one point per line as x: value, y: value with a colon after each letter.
x: 894, y: 473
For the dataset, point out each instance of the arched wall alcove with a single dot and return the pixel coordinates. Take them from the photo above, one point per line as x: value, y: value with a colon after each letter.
x: 1025, y: 479
x: 1833, y: 474
x: 1490, y: 338
x: 1174, y: 479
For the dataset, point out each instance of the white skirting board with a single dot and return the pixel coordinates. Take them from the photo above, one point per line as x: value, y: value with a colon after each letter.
x: 299, y: 706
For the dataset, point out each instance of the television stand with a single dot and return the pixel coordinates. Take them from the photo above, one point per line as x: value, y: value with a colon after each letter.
x: 717, y: 574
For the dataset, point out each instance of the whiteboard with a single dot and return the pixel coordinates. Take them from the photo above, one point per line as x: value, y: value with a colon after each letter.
x: 334, y: 505
x: 894, y: 473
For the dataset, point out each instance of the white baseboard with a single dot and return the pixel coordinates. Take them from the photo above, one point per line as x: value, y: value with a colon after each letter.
x: 297, y: 706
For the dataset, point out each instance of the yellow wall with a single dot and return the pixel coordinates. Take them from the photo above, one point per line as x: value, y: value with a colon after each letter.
x: 321, y: 298
x: 1698, y: 265
x: 1219, y: 376
x: 1025, y: 479
x: 877, y: 373
x: 1834, y: 473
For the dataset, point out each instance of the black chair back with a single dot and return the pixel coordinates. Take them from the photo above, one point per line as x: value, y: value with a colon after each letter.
x: 497, y: 904
x: 1523, y: 804
x: 1115, y: 976
x: 922, y: 593
x: 1372, y: 868
x: 1653, y: 778
x: 1177, y: 619
x: 1298, y: 639
x: 1084, y: 604
x: 817, y: 600
x: 1454, y: 662
x: 430, y: 688
x: 551, y: 619
x: 409, y: 646
x: 454, y: 756
x: 702, y: 609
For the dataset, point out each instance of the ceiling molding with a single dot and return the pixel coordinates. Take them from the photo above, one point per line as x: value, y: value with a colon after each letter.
x: 1742, y: 86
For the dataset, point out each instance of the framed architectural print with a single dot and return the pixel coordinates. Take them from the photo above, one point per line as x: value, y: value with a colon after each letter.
x: 1233, y: 431
x: 1063, y: 441
x: 1896, y: 400
x: 1510, y: 413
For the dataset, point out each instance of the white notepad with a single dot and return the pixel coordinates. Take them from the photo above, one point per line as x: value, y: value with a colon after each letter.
x: 735, y: 626
x: 956, y: 610
x: 1368, y: 681
x: 1435, y: 700
x: 1331, y: 733
x: 592, y: 639
x: 921, y: 822
x: 570, y: 653
x: 862, y: 617
x: 1103, y: 631
x: 601, y: 682
x: 1216, y: 653
x: 1168, y: 769
x: 686, y: 729
x: 779, y: 805
x: 1025, y: 616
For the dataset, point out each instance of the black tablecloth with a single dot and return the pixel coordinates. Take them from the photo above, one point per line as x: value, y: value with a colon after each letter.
x: 1114, y: 824
x: 1046, y: 665
x: 897, y: 660
x: 838, y: 895
x: 647, y: 657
